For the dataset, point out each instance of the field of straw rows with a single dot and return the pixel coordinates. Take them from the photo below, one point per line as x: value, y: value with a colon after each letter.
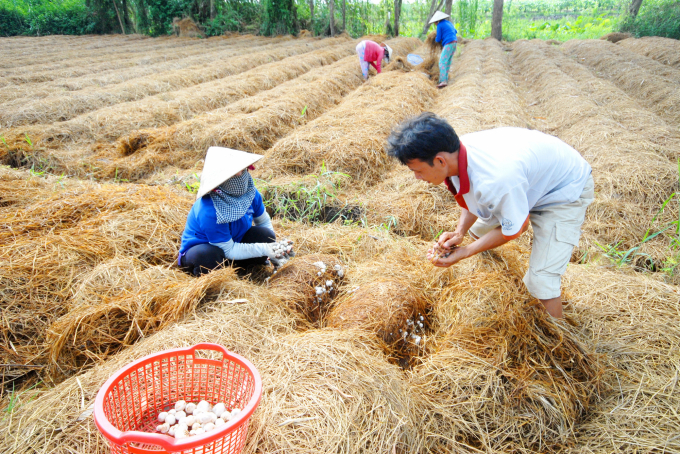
x: 103, y: 138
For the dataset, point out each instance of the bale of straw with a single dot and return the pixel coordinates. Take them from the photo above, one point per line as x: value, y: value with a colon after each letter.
x: 399, y: 64
x: 615, y: 37
x: 306, y: 34
x: 309, y: 284
x: 433, y: 46
x: 663, y: 50
x: 188, y: 28
x: 388, y: 308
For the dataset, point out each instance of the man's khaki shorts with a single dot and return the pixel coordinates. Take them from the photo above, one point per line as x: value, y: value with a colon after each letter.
x: 557, y: 230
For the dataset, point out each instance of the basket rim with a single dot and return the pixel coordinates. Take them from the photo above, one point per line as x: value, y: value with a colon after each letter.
x: 113, y: 434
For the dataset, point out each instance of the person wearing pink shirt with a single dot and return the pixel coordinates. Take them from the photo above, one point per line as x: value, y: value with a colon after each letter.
x: 372, y: 53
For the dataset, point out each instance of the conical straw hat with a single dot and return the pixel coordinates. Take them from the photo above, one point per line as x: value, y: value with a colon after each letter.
x: 391, y: 55
x: 438, y: 16
x: 222, y: 164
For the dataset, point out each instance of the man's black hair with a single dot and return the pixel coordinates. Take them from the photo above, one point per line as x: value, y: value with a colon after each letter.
x: 421, y: 138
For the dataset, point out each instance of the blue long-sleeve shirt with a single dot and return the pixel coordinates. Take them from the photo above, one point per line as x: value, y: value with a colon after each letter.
x: 446, y: 32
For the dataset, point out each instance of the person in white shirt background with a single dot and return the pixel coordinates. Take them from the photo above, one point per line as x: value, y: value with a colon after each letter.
x: 503, y: 179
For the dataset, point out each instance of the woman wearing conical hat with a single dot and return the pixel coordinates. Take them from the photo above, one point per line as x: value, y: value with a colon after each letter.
x: 228, y: 223
x: 447, y: 37
x: 372, y: 53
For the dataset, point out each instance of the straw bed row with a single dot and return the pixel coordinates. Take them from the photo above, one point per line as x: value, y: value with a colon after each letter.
x: 64, y: 107
x: 252, y: 124
x: 663, y: 50
x: 103, y: 74
x: 350, y: 138
x: 623, y: 206
x: 619, y: 106
x: 651, y: 88
x: 42, y: 55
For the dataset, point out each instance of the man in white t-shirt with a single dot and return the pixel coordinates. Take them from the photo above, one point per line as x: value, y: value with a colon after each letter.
x: 503, y: 179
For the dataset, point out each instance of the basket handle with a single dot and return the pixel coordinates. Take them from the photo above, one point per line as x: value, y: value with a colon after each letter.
x: 208, y: 346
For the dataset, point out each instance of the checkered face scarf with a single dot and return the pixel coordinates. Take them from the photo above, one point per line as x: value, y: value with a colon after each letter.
x: 233, y: 197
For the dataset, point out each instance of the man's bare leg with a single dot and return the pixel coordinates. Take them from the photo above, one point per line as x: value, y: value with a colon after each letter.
x: 553, y: 306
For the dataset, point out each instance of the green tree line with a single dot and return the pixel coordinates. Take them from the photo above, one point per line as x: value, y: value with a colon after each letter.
x: 561, y: 19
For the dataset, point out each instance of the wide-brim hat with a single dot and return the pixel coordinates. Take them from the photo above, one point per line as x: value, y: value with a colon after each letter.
x: 222, y: 164
x: 389, y: 52
x: 438, y: 16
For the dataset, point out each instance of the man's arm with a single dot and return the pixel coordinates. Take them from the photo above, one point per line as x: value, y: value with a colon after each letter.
x: 447, y: 240
x: 491, y: 240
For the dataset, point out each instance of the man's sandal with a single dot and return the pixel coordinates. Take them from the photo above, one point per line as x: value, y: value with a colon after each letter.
x: 442, y: 85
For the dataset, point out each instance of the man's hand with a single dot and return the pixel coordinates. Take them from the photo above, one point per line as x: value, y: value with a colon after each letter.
x: 448, y: 240
x: 452, y: 257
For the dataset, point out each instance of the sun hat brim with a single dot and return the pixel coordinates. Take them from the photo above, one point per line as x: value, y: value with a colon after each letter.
x: 438, y: 16
x: 222, y: 164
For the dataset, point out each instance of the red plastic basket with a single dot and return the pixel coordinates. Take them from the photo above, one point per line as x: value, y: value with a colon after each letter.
x: 127, y: 406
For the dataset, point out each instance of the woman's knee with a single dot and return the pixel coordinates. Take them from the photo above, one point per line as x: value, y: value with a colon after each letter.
x: 202, y: 259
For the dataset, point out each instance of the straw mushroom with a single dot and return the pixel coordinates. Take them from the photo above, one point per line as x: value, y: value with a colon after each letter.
x: 218, y: 409
x: 180, y: 414
x: 171, y: 420
x: 190, y: 408
x: 163, y: 428
x: 219, y: 423
x: 210, y: 426
x: 162, y: 415
x: 180, y: 405
x: 181, y: 433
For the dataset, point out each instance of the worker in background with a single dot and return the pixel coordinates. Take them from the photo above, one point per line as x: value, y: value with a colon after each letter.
x: 447, y: 37
x: 228, y: 223
x: 372, y: 53
x: 503, y: 179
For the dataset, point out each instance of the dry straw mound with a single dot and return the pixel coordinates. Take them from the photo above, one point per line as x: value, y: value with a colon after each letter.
x: 118, y: 303
x: 619, y: 106
x: 54, y: 240
x: 409, y: 206
x: 324, y: 391
x: 505, y: 377
x: 632, y: 321
x: 663, y: 50
x: 615, y: 37
x: 187, y: 28
x: 390, y: 309
x: 309, y: 283
x: 128, y: 66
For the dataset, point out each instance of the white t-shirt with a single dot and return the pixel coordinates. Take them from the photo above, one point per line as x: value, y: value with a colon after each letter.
x: 513, y: 171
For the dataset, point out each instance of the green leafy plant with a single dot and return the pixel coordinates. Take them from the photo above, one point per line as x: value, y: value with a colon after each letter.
x: 304, y: 111
x: 28, y: 140
x: 2, y: 138
x: 312, y: 199
x: 193, y: 187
